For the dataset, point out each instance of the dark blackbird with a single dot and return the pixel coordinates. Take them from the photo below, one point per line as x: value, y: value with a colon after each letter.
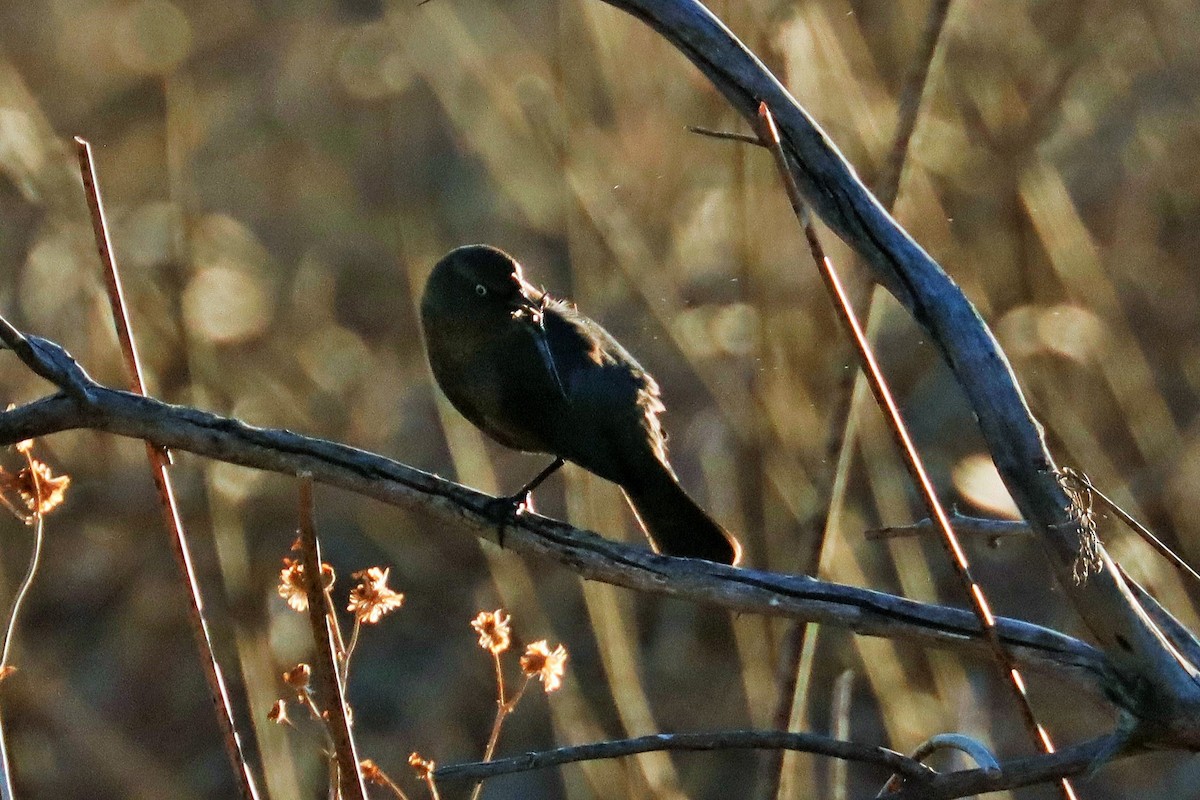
x: 536, y: 375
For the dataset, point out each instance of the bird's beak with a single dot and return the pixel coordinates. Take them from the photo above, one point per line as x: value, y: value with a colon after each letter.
x: 528, y: 303
x: 528, y: 293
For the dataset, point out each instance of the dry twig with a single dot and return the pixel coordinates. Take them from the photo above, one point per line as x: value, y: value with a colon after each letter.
x: 335, y: 715
x: 724, y: 740
x: 159, y: 462
x: 1010, y: 674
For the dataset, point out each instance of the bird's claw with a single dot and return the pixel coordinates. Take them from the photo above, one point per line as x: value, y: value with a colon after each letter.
x: 507, y: 509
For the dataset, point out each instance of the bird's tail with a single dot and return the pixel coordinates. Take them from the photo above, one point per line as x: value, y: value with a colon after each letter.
x: 675, y: 525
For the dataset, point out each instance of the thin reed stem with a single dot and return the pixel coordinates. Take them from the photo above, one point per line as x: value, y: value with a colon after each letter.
x: 160, y: 460
x: 800, y: 644
x: 348, y: 650
x: 912, y: 458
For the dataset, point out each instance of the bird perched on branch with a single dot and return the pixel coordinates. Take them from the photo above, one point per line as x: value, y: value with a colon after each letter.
x: 536, y: 375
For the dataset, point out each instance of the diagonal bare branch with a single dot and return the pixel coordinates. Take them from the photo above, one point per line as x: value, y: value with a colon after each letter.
x: 1161, y: 687
x: 750, y: 591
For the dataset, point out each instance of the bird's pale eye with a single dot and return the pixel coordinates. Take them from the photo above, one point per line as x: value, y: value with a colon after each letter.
x: 480, y: 290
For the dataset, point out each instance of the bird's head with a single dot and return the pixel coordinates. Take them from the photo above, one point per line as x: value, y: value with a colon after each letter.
x: 482, y: 279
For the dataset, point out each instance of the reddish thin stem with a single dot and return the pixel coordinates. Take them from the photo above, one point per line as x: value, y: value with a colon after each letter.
x: 159, y: 461
x: 503, y: 709
x: 432, y: 786
x: 912, y: 458
x: 839, y: 443
x: 10, y: 630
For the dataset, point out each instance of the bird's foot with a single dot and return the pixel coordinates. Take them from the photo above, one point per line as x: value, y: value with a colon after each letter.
x: 506, y: 510
x: 510, y: 507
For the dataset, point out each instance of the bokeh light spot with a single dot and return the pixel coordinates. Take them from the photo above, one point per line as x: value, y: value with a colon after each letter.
x: 1017, y: 331
x: 977, y: 480
x: 54, y: 260
x: 333, y: 358
x: 235, y: 483
x: 152, y: 36
x: 691, y: 327
x: 22, y: 153
x: 735, y: 327
x: 1071, y: 331
x: 370, y: 64
x: 226, y: 305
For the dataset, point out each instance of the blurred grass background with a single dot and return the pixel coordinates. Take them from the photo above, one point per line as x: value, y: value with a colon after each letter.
x: 280, y: 176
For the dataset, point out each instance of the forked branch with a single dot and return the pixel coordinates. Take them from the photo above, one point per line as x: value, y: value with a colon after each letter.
x: 1160, y: 687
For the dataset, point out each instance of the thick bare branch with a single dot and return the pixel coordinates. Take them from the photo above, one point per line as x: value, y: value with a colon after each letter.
x: 1161, y: 687
x: 744, y: 590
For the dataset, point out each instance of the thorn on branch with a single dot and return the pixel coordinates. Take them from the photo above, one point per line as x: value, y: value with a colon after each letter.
x: 729, y: 136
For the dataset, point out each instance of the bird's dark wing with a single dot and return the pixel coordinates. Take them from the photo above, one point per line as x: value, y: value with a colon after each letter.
x: 613, y: 427
x: 611, y: 401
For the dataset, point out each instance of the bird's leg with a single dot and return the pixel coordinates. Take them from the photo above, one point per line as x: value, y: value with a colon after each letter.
x: 516, y: 504
x: 538, y: 479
